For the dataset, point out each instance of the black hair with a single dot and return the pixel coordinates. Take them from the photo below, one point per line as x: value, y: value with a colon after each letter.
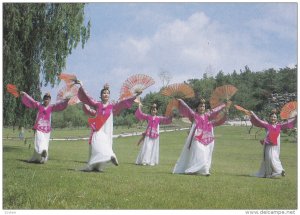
x: 47, y: 96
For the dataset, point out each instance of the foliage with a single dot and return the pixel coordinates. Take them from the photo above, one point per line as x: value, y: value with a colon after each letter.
x: 37, y: 38
x: 59, y: 185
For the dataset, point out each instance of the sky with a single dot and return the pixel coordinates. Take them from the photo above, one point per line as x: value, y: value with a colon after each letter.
x: 184, y: 39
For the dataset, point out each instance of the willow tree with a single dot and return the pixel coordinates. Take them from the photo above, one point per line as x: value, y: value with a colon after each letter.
x: 37, y: 38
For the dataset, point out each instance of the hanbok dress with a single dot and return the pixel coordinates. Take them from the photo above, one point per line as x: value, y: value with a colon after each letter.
x: 196, y: 155
x: 271, y: 165
x: 101, y: 139
x: 42, y: 126
x: 149, y: 152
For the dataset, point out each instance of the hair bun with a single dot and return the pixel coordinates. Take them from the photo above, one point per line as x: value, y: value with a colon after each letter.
x: 106, y: 86
x: 274, y: 111
x: 202, y: 100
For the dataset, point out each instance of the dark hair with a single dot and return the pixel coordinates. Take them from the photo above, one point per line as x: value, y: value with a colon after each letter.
x: 273, y: 112
x: 200, y: 102
x: 105, y: 87
x: 47, y: 96
x: 154, y: 105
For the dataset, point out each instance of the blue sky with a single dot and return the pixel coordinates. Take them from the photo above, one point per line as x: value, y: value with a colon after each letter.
x: 185, y: 39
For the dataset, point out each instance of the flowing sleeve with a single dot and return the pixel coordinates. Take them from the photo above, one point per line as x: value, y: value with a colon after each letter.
x: 85, y: 98
x: 214, y: 112
x: 165, y: 120
x: 220, y: 121
x: 60, y: 106
x: 289, y: 123
x: 29, y: 102
x: 88, y: 110
x: 124, y: 104
x: 140, y: 115
x: 185, y: 110
x: 257, y: 121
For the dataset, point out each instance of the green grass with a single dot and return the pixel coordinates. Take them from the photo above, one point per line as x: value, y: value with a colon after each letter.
x: 57, y: 184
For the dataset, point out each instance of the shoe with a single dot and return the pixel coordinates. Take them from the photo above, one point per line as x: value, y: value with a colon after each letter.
x: 44, y: 154
x: 283, y: 173
x: 114, y: 160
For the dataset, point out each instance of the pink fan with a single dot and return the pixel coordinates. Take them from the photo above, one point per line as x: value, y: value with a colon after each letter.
x: 134, y: 84
x: 178, y: 91
x: 220, y: 94
x: 12, y: 89
x: 289, y: 110
x: 66, y: 92
x: 68, y: 78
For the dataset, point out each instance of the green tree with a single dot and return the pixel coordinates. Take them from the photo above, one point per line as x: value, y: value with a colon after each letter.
x: 37, y: 38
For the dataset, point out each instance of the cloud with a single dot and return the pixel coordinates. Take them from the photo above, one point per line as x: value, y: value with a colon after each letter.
x: 186, y: 47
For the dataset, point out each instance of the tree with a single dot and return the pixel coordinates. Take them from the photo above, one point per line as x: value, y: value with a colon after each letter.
x: 37, y: 38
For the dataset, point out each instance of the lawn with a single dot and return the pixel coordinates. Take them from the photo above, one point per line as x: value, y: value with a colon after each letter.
x: 59, y: 185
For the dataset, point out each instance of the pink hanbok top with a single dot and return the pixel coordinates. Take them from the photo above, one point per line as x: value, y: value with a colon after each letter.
x: 204, y: 122
x: 153, y: 122
x: 96, y: 108
x: 43, y: 119
x: 273, y: 131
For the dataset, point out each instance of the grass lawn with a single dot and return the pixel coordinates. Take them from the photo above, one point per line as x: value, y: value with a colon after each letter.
x: 58, y: 184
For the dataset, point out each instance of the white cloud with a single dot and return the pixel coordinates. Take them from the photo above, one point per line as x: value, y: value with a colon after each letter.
x: 185, y: 47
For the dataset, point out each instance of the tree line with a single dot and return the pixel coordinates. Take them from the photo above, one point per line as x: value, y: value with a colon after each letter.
x: 256, y: 92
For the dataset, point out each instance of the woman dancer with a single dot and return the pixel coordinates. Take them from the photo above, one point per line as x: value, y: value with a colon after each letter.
x: 197, y: 152
x: 101, y: 139
x: 149, y: 152
x: 271, y: 165
x: 42, y: 124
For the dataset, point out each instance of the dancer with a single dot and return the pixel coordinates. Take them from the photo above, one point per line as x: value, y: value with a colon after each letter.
x: 196, y: 155
x: 101, y: 139
x: 42, y: 124
x: 149, y: 152
x: 271, y: 165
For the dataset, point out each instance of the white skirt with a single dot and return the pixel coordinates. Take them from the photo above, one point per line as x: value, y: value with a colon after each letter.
x: 101, y: 152
x: 271, y: 165
x: 41, y: 143
x: 149, y: 152
x: 196, y: 160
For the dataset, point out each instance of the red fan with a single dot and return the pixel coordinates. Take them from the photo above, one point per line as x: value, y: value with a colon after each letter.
x: 242, y: 109
x: 289, y: 110
x: 66, y: 92
x: 12, y: 89
x: 68, y: 78
x: 173, y: 104
x: 134, y: 84
x: 220, y: 94
x: 178, y: 91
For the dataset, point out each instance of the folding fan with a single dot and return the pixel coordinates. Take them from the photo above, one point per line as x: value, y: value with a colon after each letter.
x: 68, y: 78
x: 220, y: 94
x: 242, y: 109
x: 173, y: 104
x: 178, y: 90
x: 12, y: 89
x: 66, y: 92
x: 134, y: 84
x: 289, y: 110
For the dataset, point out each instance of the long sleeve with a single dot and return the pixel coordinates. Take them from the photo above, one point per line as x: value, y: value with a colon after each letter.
x: 140, y: 115
x: 124, y: 104
x: 165, y: 120
x: 88, y: 110
x: 60, y: 106
x: 214, y: 112
x: 258, y: 122
x: 29, y: 102
x: 85, y: 98
x: 289, y: 123
x: 220, y: 121
x: 185, y: 110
